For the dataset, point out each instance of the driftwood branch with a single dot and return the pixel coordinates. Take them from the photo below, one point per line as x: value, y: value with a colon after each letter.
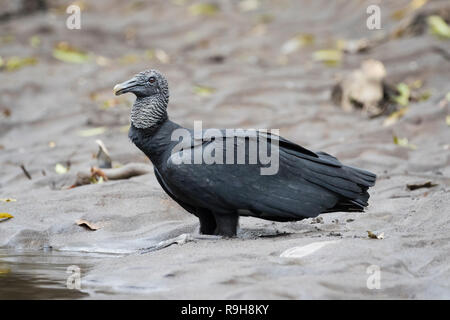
x: 127, y: 171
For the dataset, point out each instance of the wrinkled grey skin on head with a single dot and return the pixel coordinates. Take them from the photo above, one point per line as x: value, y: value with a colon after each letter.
x: 152, y: 96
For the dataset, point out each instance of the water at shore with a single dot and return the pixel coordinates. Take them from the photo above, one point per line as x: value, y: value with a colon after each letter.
x: 42, y: 274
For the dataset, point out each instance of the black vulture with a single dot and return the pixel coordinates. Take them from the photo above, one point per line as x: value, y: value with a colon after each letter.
x: 218, y: 189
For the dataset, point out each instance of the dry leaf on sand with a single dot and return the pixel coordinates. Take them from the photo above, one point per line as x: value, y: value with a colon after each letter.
x: 372, y: 235
x: 87, y: 225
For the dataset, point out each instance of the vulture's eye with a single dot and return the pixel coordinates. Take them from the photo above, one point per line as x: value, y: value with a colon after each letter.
x: 151, y: 79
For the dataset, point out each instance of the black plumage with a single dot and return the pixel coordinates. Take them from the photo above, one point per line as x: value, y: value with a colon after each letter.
x: 307, y: 183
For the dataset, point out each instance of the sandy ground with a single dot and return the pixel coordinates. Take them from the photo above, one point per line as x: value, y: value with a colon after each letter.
x: 235, y: 53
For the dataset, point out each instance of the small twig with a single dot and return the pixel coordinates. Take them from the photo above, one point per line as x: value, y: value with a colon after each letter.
x: 27, y: 174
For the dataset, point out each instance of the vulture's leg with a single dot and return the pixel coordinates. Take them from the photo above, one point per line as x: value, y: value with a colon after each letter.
x: 227, y: 224
x: 207, y: 221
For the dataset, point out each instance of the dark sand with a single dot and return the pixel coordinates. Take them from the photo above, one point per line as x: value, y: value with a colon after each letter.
x: 52, y: 101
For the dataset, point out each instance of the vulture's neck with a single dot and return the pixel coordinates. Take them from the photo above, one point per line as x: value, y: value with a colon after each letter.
x: 149, y: 112
x: 151, y: 130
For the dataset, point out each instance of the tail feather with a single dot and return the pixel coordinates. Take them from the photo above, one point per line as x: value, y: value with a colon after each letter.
x: 350, y: 183
x: 365, y: 180
x: 368, y: 178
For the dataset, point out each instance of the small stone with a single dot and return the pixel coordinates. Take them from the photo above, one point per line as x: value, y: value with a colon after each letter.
x: 317, y: 220
x: 335, y: 234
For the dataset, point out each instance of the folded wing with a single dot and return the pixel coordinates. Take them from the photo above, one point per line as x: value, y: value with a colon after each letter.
x: 306, y: 184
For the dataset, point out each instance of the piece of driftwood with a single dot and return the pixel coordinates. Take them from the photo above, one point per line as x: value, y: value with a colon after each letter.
x: 127, y: 171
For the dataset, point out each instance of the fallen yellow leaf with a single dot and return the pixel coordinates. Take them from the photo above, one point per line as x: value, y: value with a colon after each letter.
x: 203, y: 9
x: 64, y: 52
x: 330, y: 57
x: 404, y: 94
x: 204, y: 91
x: 4, y: 215
x: 16, y: 63
x: 395, y: 116
x: 4, y: 271
x: 7, y: 200
x: 403, y: 142
x: 438, y: 26
x: 91, y: 132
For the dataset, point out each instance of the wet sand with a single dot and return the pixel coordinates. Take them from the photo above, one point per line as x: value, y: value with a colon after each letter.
x: 234, y: 53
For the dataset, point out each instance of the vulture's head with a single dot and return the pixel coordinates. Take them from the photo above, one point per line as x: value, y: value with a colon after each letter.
x: 152, y: 96
x: 145, y: 84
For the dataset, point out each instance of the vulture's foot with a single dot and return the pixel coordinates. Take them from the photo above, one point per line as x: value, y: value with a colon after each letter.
x: 208, y: 223
x: 227, y: 224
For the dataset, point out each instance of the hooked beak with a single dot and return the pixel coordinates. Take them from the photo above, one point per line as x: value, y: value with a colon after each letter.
x: 125, y: 87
